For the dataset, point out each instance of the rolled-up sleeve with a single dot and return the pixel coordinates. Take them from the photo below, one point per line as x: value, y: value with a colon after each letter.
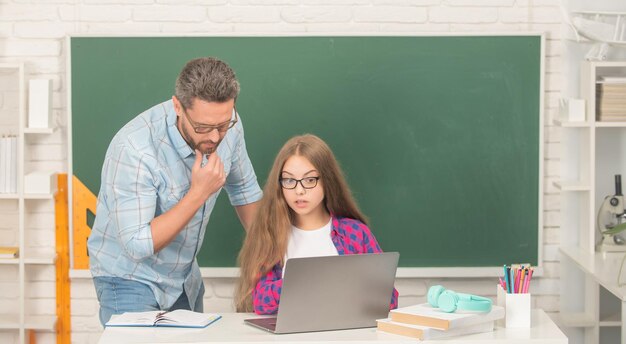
x: 131, y: 199
x: 266, y: 294
x: 241, y: 184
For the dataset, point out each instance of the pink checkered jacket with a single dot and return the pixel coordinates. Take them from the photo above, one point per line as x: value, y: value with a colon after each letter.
x: 350, y: 236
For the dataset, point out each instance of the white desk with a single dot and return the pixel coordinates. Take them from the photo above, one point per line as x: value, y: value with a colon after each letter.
x: 231, y: 329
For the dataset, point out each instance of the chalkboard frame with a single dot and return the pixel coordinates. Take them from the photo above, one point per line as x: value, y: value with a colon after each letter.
x: 439, y: 271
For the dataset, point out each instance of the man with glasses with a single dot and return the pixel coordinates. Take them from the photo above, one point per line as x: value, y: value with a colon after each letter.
x: 161, y: 176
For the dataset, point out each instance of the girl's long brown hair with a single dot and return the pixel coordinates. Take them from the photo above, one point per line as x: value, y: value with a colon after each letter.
x: 265, y: 244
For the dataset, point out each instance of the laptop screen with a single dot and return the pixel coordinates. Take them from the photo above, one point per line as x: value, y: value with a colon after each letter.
x: 336, y: 292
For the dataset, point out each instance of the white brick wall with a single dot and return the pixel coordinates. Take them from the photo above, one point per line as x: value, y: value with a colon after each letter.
x: 33, y: 31
x: 243, y: 14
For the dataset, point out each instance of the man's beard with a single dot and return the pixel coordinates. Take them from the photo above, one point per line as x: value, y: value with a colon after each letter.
x: 198, y: 145
x: 208, y: 150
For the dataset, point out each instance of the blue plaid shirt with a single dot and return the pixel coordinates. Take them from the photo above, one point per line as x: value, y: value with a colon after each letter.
x: 146, y: 172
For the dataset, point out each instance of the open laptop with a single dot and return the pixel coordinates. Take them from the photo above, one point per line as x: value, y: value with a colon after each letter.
x: 333, y: 293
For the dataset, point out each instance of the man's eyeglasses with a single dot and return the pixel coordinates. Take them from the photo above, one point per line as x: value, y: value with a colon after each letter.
x: 307, y: 183
x: 205, y: 129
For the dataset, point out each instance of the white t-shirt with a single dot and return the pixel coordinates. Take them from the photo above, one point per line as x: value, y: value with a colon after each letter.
x: 311, y: 243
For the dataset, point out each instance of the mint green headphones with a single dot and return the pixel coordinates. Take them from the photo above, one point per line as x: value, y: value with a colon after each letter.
x: 449, y: 301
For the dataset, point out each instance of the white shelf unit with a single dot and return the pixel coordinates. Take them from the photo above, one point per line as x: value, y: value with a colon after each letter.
x: 593, y: 305
x: 13, y: 210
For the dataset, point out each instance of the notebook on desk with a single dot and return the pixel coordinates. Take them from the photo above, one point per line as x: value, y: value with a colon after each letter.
x: 333, y: 293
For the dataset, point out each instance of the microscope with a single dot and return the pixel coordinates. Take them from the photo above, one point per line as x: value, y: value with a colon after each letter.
x: 611, y: 220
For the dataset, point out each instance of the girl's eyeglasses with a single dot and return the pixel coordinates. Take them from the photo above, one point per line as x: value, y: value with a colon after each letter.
x: 291, y: 183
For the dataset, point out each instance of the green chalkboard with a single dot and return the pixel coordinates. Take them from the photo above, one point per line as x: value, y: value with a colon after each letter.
x: 439, y: 137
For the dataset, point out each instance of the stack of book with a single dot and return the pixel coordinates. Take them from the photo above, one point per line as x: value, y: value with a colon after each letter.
x: 426, y: 322
x: 9, y: 252
x: 611, y: 99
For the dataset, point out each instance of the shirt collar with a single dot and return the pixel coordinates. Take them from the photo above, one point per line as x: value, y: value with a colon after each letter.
x: 179, y: 143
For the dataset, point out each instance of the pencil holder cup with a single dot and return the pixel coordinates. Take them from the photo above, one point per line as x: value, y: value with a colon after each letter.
x: 516, y: 308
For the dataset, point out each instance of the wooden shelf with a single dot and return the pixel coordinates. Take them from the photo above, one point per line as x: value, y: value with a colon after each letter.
x: 568, y: 124
x: 26, y: 196
x: 611, y: 124
x: 9, y: 321
x: 31, y: 259
x: 39, y: 258
x: 585, y: 124
x: 613, y: 320
x: 613, y: 13
x: 38, y: 196
x: 9, y: 65
x: 9, y: 261
x: 571, y: 185
x: 39, y: 130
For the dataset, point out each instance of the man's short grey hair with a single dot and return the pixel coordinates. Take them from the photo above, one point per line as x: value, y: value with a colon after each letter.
x: 208, y: 79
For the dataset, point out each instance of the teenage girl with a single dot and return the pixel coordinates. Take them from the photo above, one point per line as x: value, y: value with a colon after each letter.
x: 307, y: 210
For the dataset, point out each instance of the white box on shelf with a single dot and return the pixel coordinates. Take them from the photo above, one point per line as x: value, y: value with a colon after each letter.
x: 572, y: 109
x: 40, y: 103
x: 516, y: 308
x: 40, y: 182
